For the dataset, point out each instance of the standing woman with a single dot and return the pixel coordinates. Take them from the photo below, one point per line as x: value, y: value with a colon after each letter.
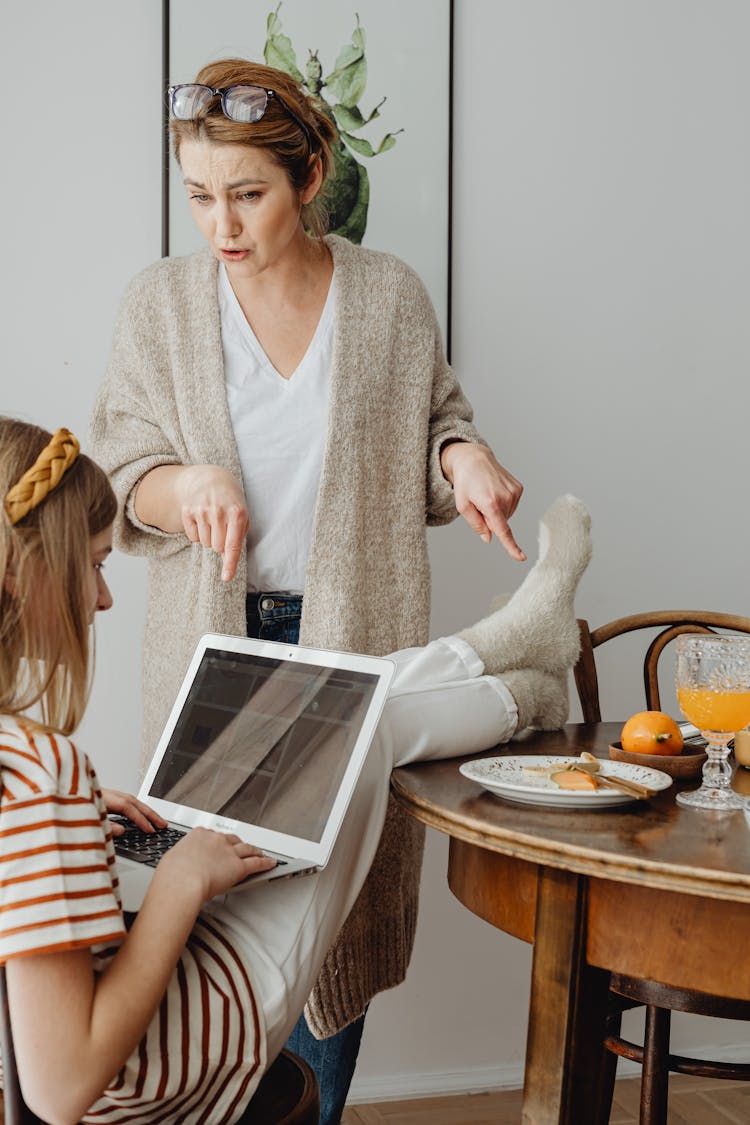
x: 279, y: 423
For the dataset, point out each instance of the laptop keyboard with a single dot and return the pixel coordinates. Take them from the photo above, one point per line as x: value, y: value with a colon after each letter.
x: 145, y: 847
x: 150, y: 847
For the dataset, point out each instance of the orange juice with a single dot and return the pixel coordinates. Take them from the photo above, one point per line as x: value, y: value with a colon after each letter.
x: 715, y: 710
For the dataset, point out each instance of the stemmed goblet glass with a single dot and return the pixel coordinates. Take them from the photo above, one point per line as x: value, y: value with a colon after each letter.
x: 713, y: 690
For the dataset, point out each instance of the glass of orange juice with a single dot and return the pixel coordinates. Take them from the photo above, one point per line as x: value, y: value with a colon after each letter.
x: 713, y: 690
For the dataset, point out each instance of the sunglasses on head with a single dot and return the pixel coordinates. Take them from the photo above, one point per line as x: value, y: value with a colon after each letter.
x: 245, y: 104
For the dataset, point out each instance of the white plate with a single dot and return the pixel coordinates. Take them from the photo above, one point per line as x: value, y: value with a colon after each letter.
x: 508, y: 778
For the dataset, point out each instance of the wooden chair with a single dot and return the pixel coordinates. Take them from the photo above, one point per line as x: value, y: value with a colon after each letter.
x: 626, y: 992
x: 287, y: 1094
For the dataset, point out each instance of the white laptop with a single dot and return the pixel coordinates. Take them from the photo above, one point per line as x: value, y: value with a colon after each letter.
x: 265, y: 740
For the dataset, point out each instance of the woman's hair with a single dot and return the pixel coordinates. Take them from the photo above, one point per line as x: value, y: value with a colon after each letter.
x: 276, y: 131
x: 44, y: 570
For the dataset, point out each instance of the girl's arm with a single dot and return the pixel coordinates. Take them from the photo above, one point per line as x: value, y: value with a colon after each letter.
x: 73, y: 1030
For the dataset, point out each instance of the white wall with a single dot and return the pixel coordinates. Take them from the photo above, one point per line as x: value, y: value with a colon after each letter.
x: 80, y: 195
x: 602, y: 251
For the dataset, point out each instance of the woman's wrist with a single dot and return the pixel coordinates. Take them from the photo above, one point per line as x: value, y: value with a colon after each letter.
x: 447, y: 456
x: 158, y: 497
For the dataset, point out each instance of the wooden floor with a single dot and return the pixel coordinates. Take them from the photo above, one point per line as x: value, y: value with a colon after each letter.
x: 692, y: 1101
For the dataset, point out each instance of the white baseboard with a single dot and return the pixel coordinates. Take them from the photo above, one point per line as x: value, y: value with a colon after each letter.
x: 481, y: 1079
x: 431, y: 1083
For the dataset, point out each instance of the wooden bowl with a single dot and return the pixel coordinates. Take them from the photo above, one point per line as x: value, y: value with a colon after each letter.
x: 676, y: 765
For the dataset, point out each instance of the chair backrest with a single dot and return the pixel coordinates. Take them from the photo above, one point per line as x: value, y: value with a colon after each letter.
x: 287, y: 1095
x: 670, y: 622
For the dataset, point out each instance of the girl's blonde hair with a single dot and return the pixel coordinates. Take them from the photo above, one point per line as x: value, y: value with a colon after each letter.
x: 277, y: 131
x: 45, y: 654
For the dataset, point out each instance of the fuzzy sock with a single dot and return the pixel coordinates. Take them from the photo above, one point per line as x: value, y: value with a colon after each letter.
x: 541, y: 697
x: 537, y: 627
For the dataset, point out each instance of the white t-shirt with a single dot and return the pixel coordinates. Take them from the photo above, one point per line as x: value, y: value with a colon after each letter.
x: 280, y: 427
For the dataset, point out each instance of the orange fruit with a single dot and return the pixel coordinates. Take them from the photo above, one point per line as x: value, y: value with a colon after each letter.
x: 651, y: 732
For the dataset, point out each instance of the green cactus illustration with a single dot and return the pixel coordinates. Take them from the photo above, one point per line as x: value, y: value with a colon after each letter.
x: 348, y: 191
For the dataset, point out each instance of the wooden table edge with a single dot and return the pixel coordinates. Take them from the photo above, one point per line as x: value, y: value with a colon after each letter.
x: 579, y: 860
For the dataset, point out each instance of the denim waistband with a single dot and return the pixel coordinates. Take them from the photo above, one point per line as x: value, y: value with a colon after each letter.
x: 274, y: 615
x: 273, y: 605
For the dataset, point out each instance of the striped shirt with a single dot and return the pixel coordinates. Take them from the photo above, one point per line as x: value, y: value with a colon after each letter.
x: 204, y: 1051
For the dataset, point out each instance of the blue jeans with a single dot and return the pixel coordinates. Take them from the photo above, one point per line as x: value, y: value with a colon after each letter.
x: 275, y: 616
x: 333, y: 1061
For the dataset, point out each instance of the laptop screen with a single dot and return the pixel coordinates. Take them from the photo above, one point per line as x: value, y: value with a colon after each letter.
x: 264, y: 741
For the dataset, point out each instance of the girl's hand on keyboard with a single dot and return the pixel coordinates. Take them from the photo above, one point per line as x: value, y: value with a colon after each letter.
x: 217, y: 860
x: 127, y: 805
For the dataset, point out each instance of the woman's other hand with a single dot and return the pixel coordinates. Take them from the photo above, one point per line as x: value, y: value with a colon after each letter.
x: 213, y: 862
x: 125, y: 804
x: 486, y: 494
x: 204, y: 501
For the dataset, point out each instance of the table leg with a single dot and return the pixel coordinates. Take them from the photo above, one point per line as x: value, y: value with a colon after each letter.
x: 567, y: 1009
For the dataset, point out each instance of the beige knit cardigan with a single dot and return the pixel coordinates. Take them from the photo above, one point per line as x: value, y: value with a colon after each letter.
x: 393, y: 403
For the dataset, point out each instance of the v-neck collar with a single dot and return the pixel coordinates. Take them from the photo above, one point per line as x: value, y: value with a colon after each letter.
x: 252, y: 344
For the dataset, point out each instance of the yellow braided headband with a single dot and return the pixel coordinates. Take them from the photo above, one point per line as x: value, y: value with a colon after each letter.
x: 44, y: 475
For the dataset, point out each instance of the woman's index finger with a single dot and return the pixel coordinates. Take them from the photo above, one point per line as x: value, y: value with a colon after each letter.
x: 233, y: 544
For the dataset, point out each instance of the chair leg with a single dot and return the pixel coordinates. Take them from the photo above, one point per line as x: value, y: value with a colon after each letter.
x: 655, y: 1077
x: 605, y: 1089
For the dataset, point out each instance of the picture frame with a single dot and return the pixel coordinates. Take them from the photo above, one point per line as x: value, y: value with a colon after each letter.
x: 395, y: 121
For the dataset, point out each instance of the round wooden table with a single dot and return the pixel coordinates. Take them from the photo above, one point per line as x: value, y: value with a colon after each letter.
x: 648, y: 890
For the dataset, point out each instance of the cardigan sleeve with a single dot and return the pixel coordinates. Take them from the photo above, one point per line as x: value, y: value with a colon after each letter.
x: 126, y: 435
x: 451, y: 418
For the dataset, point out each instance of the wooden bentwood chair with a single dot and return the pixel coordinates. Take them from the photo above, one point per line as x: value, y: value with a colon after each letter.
x: 287, y: 1094
x: 627, y: 992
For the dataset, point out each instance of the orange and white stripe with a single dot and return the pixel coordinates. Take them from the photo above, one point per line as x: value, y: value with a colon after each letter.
x: 58, y: 888
x: 204, y: 1052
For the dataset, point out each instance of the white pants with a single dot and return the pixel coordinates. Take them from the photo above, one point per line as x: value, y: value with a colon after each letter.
x: 440, y: 705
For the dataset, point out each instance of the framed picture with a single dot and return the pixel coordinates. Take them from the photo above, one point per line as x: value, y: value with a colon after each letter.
x: 384, y: 68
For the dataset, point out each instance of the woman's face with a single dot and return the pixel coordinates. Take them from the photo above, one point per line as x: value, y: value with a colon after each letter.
x: 243, y: 204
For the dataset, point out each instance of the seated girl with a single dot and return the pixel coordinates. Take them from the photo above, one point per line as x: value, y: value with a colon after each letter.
x: 176, y: 1019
